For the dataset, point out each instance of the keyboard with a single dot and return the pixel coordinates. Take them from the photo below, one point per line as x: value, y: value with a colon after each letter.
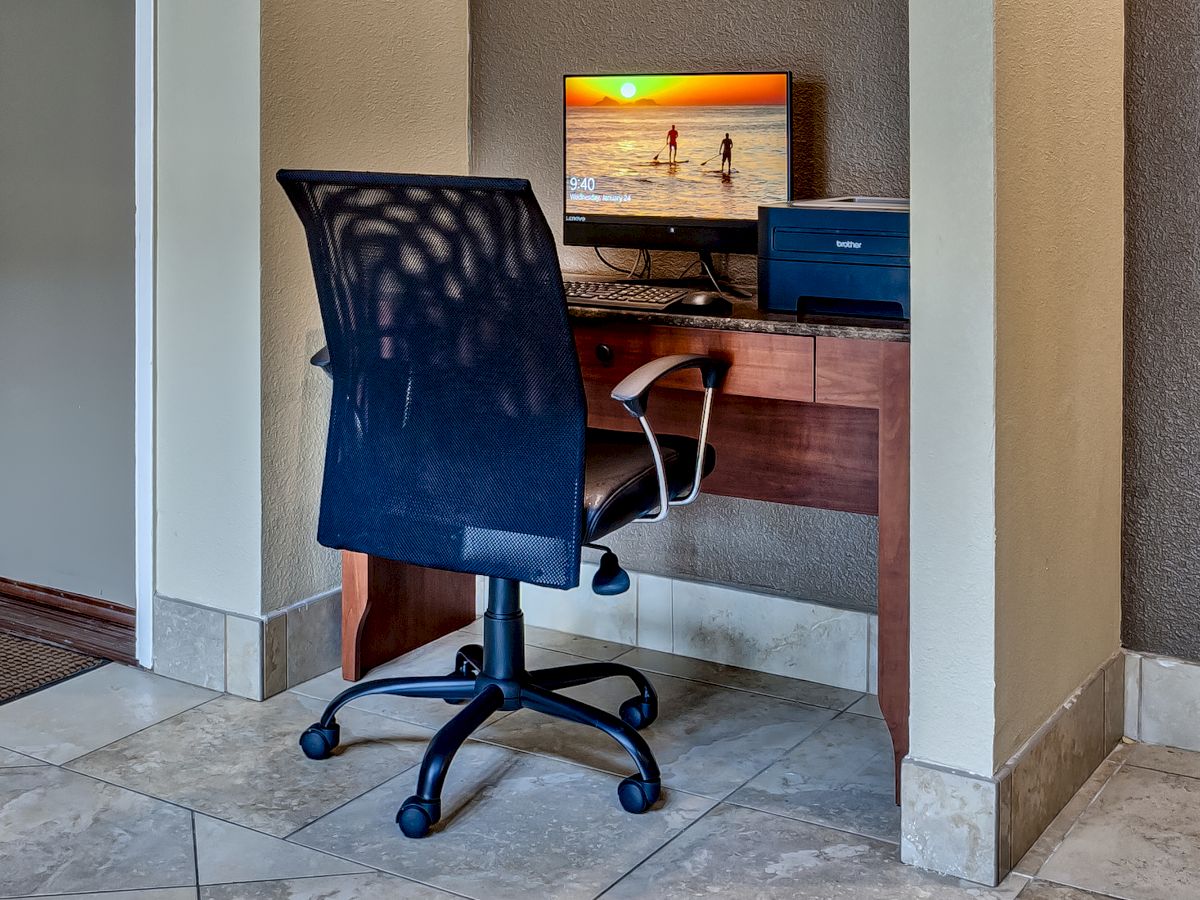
x: 621, y: 295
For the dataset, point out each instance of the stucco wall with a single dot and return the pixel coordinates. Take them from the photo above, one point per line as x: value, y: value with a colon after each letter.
x: 850, y: 67
x: 848, y: 59
x: 1059, y: 273
x: 207, y: 321
x: 1161, y: 612
x: 376, y: 85
x: 67, y: 295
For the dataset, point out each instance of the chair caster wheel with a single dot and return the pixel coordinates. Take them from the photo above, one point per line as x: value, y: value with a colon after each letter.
x: 417, y: 816
x: 637, y: 796
x: 639, y: 713
x: 319, y: 742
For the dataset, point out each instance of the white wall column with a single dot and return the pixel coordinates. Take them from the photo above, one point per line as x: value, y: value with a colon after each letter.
x: 208, y: 539
x: 1017, y: 189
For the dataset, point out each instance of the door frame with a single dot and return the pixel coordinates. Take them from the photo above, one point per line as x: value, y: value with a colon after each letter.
x: 144, y: 275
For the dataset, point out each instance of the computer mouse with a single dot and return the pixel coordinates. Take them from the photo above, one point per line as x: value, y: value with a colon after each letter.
x: 705, y: 302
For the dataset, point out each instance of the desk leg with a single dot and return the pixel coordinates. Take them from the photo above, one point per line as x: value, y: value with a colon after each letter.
x: 893, y: 547
x: 389, y: 608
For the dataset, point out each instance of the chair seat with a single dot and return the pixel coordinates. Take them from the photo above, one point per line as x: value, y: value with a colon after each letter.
x: 619, y: 481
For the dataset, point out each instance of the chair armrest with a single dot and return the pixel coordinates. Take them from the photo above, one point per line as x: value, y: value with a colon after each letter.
x: 320, y: 359
x: 634, y: 389
x: 633, y: 393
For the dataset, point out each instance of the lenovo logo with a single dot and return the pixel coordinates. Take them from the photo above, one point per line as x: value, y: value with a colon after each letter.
x: 849, y: 245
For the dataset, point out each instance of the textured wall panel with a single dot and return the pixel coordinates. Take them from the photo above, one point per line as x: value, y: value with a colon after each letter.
x: 850, y: 66
x: 849, y: 60
x: 811, y: 554
x: 1161, y: 610
x: 376, y: 85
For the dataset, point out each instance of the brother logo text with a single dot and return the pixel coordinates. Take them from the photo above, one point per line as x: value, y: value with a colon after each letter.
x: 849, y: 245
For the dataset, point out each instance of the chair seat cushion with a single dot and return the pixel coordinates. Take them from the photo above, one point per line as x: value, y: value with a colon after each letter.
x: 619, y: 482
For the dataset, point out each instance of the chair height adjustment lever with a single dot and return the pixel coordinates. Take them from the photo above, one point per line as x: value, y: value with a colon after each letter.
x: 610, y: 578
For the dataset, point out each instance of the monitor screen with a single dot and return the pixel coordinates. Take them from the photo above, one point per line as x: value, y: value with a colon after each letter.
x: 653, y: 154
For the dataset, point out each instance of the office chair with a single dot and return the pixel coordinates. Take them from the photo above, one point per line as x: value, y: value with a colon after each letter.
x: 458, y: 439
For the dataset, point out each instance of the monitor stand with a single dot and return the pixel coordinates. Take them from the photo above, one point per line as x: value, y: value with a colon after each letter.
x: 703, y: 281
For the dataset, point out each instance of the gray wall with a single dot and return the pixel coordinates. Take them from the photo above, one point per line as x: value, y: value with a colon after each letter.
x: 849, y: 59
x: 1161, y: 609
x: 66, y: 295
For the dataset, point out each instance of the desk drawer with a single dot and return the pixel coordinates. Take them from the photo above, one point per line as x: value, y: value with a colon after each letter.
x: 771, y: 366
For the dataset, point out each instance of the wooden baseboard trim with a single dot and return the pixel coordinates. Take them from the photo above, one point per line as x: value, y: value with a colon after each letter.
x: 91, y: 626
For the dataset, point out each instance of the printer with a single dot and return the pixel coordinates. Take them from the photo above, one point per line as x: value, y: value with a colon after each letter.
x: 843, y: 256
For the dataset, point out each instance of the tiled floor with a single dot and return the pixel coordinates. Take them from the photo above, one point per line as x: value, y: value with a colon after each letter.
x: 120, y: 783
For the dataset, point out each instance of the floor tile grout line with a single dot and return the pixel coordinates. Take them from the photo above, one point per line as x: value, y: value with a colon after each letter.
x: 746, y: 690
x: 198, y: 887
x: 195, y: 850
x: 194, y: 812
x: 373, y: 870
x: 781, y: 756
x: 1079, y: 887
x: 819, y: 824
x: 727, y: 802
x: 661, y: 847
x: 1103, y: 895
x: 505, y: 747
x: 720, y: 798
x: 291, y: 834
x: 716, y: 801
x: 173, y: 887
x: 1146, y: 768
x: 1073, y: 825
x: 837, y: 713
x: 212, y: 815
x: 75, y: 759
x: 288, y: 837
x: 582, y: 765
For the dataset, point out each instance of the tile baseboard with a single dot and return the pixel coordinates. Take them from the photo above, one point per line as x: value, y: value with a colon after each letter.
x: 762, y: 632
x: 1162, y: 700
x: 251, y: 657
x: 978, y: 828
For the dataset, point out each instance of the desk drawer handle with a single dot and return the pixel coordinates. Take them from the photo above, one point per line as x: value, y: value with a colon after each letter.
x: 605, y: 354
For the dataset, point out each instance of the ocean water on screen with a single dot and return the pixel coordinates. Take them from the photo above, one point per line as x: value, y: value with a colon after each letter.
x: 616, y: 146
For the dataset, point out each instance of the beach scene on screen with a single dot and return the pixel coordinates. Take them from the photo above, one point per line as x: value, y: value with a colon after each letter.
x: 675, y: 146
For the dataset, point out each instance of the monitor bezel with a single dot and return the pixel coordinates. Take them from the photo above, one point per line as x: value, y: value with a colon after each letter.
x: 662, y: 232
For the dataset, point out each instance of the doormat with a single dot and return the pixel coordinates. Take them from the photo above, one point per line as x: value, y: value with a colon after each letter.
x: 27, y: 666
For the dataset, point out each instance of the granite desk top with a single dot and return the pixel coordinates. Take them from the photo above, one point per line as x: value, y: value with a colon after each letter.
x: 746, y: 316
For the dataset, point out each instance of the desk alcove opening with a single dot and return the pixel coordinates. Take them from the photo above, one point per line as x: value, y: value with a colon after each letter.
x: 813, y: 413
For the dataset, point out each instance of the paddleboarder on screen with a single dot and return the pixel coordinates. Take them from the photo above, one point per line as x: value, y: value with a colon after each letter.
x: 672, y: 144
x: 726, y: 153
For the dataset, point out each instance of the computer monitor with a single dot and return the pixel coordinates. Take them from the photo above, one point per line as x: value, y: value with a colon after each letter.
x: 674, y: 162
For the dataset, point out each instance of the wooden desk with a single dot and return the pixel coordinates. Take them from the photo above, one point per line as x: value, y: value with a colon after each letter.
x: 813, y: 413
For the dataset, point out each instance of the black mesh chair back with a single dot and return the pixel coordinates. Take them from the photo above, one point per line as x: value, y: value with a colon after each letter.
x: 456, y: 431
